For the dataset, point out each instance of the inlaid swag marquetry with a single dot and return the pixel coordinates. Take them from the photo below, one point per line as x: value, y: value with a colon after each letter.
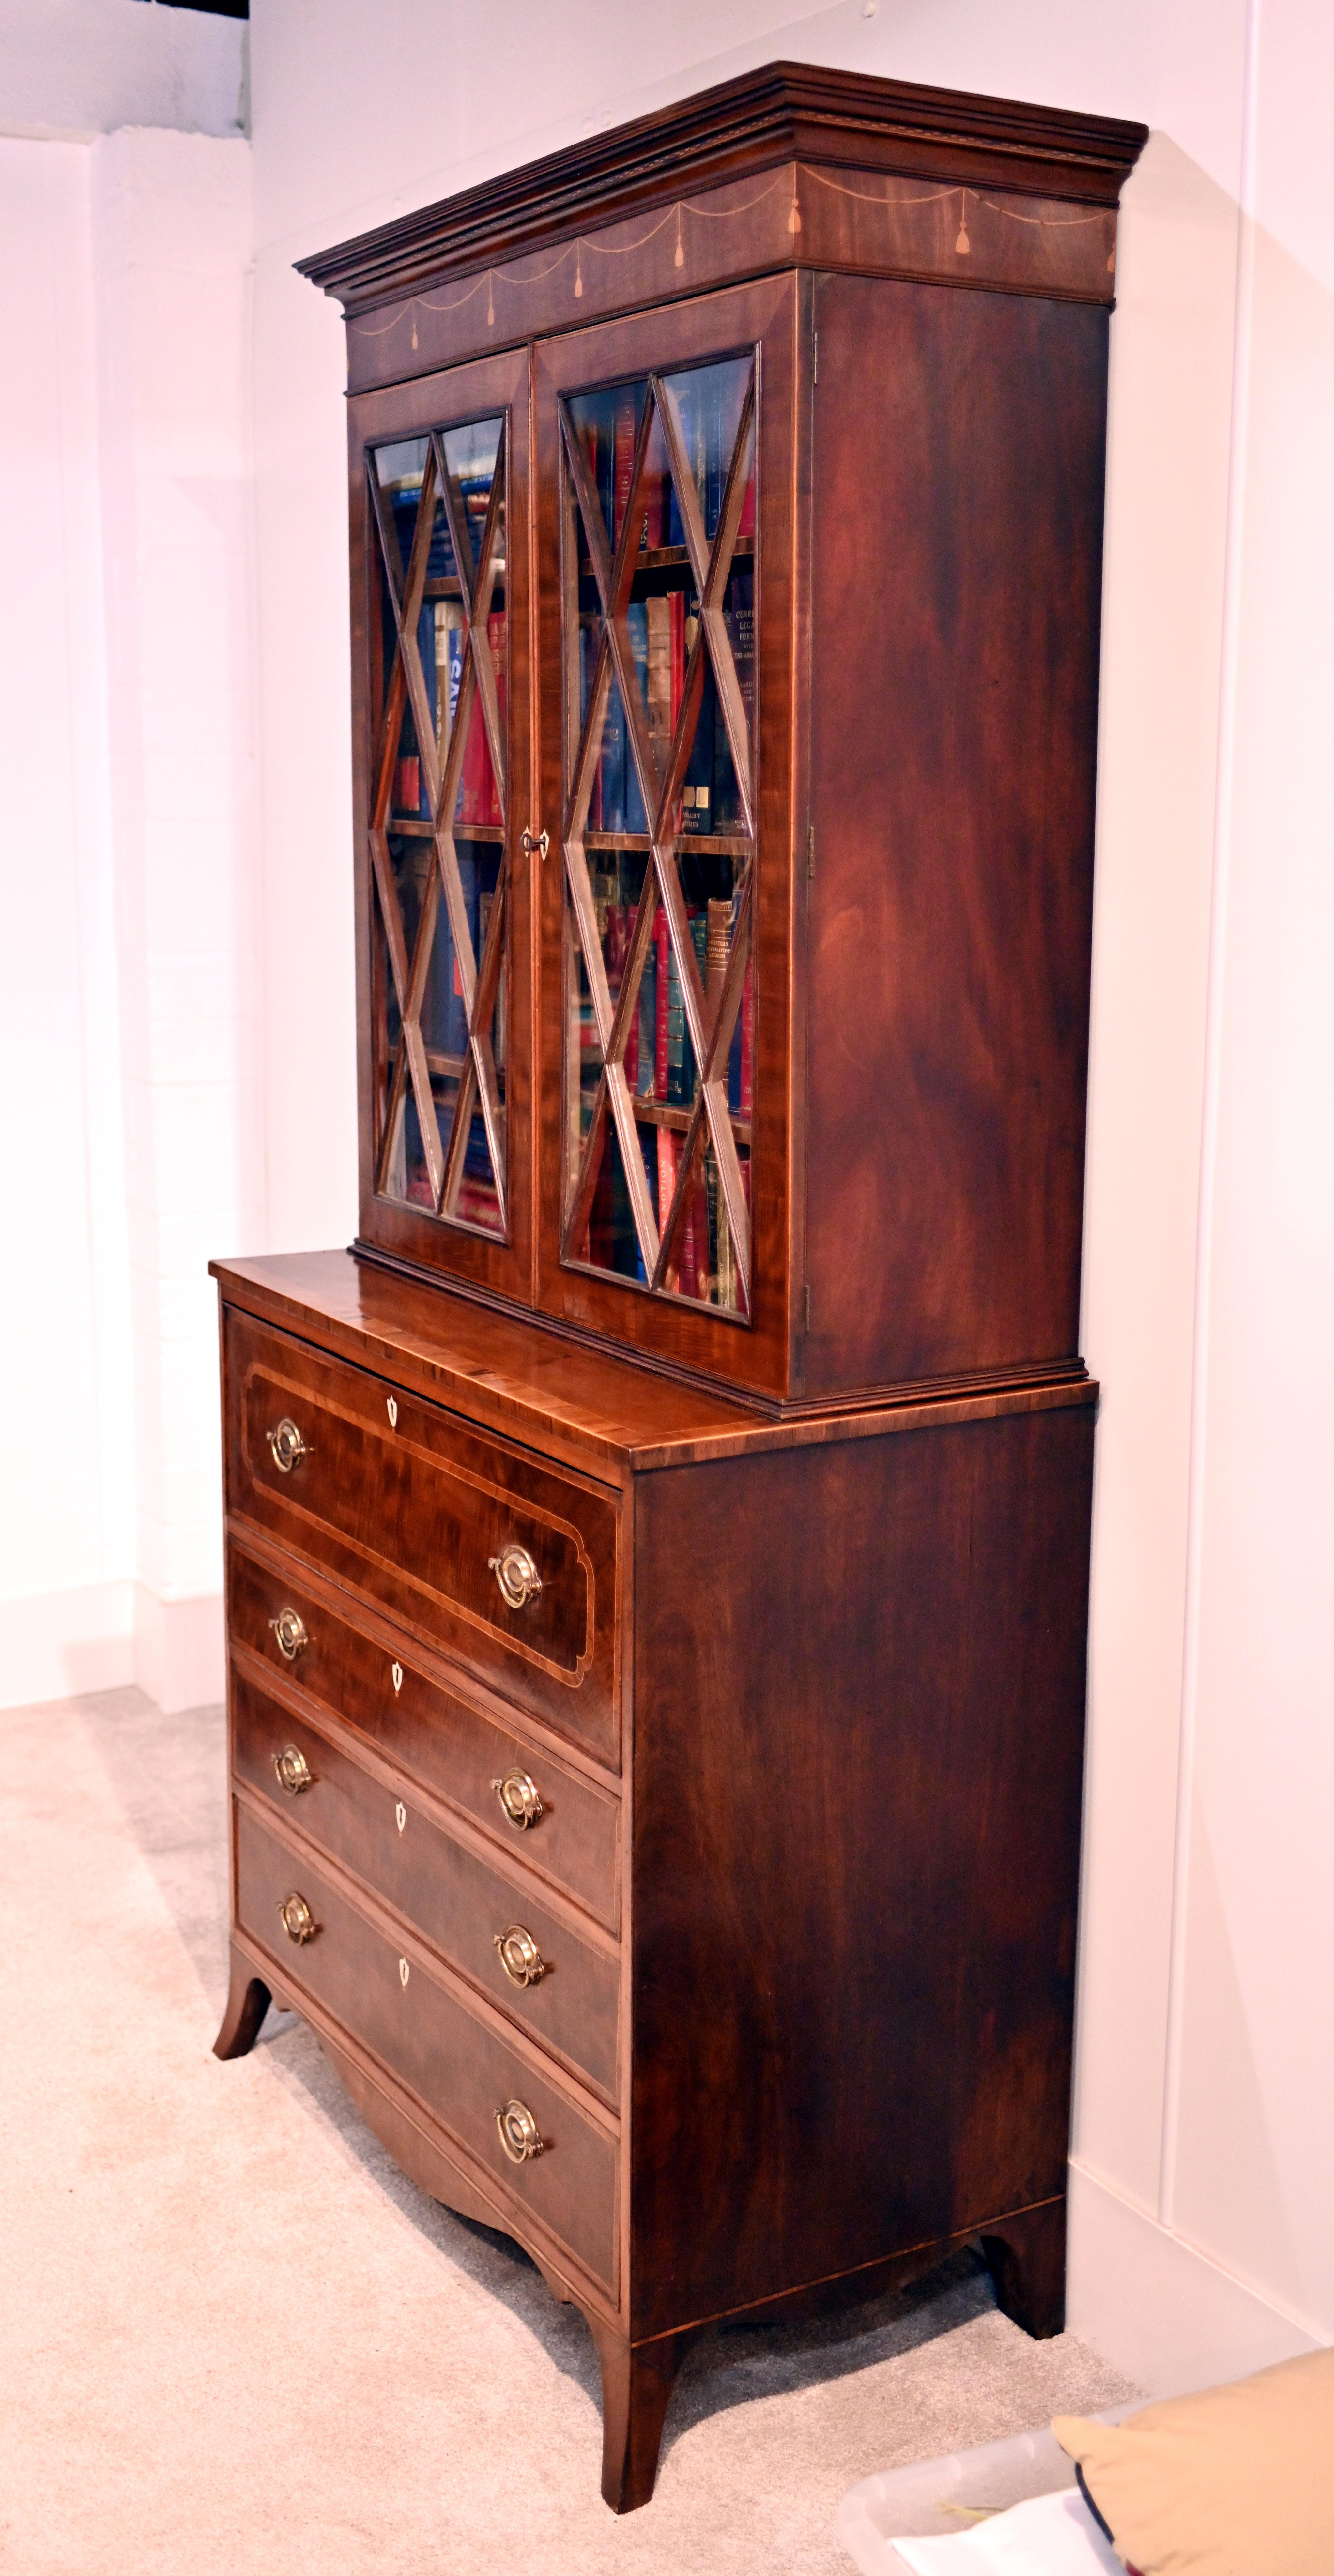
x: 438, y: 822
x: 657, y: 540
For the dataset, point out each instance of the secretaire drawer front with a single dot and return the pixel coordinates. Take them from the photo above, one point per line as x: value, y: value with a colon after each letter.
x: 457, y: 2066
x: 508, y: 1565
x: 502, y: 1936
x: 535, y: 1806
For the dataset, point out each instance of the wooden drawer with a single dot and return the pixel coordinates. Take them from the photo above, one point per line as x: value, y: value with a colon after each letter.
x: 409, y: 1504
x: 451, y: 1747
x: 458, y: 2066
x: 443, y: 1887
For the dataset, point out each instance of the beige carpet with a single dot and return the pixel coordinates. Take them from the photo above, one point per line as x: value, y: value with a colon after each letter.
x: 234, y: 2341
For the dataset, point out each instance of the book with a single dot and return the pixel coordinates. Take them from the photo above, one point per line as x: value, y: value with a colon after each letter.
x: 662, y: 1001
x: 699, y: 936
x: 496, y: 636
x: 718, y: 940
x: 648, y: 1147
x: 624, y: 426
x: 658, y: 679
x: 739, y: 618
x: 484, y: 903
x: 746, y: 1067
x: 677, y: 1042
x: 686, y: 1242
x: 636, y: 618
x: 611, y: 765
x: 646, y: 1035
x: 697, y: 791
x: 666, y: 1190
x: 475, y: 783
x: 448, y: 657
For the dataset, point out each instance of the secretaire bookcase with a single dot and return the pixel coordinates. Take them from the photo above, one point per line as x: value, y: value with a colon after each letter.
x: 658, y: 1549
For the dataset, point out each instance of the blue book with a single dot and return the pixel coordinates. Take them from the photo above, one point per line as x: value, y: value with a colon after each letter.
x: 636, y: 819
x: 611, y: 767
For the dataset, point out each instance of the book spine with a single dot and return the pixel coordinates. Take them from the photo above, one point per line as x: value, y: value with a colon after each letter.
x: 658, y: 679
x: 677, y: 1041
x: 611, y: 766
x: 475, y: 802
x: 697, y: 793
x: 666, y: 1187
x: 636, y: 619
x: 718, y: 940
x: 497, y: 633
x: 623, y: 454
x: 687, y: 1239
x: 647, y: 1023
x: 746, y: 1082
x: 662, y: 1001
x: 739, y: 616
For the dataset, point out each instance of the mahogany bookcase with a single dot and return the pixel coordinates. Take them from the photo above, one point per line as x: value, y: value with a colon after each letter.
x: 658, y: 1549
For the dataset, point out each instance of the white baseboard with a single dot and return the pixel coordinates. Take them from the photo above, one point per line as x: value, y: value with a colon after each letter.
x: 179, y: 1650
x: 56, y: 1645
x: 1156, y: 2307
x: 59, y: 1645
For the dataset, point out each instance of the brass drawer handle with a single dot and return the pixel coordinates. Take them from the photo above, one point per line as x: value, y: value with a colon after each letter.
x: 291, y: 1633
x: 516, y: 1574
x: 298, y: 1922
x: 287, y: 1446
x: 294, y: 1771
x: 520, y: 1956
x: 519, y: 2133
x: 519, y: 1802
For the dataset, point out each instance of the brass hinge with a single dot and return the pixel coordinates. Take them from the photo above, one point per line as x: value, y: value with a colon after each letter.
x: 810, y: 849
x: 806, y: 1307
x: 815, y: 357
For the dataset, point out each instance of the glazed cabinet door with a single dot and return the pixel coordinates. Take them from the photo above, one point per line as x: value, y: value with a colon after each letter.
x: 442, y: 726
x: 665, y: 529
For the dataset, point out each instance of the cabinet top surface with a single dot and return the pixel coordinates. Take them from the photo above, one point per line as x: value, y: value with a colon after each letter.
x: 743, y: 125
x: 543, y: 1389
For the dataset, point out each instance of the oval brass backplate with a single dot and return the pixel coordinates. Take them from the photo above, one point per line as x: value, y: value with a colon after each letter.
x: 520, y: 1956
x: 298, y: 1922
x: 519, y: 1801
x: 519, y: 2133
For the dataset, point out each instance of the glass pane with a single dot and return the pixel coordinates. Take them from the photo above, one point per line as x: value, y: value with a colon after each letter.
x: 708, y: 401
x: 471, y: 455
x: 704, y: 837
x: 479, y: 804
x: 702, y: 1260
x: 476, y: 1202
x: 437, y: 665
x: 407, y: 1175
x: 607, y: 426
x: 611, y: 1242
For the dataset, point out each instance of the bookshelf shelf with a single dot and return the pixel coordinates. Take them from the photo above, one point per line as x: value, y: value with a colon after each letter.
x: 692, y: 1505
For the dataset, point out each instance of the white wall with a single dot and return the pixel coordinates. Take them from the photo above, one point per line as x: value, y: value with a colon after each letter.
x: 1204, y: 2121
x: 161, y: 983
x: 129, y: 1027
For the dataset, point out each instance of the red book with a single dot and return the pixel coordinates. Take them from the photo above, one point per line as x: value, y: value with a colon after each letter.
x: 746, y: 1085
x: 662, y: 945
x: 666, y: 1186
x: 622, y: 459
x: 475, y: 805
x: 496, y: 638
x: 407, y: 784
x: 686, y: 1239
x: 746, y: 522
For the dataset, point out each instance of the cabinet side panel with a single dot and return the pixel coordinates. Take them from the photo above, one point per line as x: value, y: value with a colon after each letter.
x: 956, y: 576
x: 859, y: 1687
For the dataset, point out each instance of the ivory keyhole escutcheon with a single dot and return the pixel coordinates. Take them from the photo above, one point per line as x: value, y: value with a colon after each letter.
x: 404, y: 1972
x: 400, y: 1815
x: 396, y: 1677
x: 391, y: 1406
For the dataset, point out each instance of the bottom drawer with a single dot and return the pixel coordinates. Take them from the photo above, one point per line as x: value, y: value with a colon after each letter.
x: 461, y: 2071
